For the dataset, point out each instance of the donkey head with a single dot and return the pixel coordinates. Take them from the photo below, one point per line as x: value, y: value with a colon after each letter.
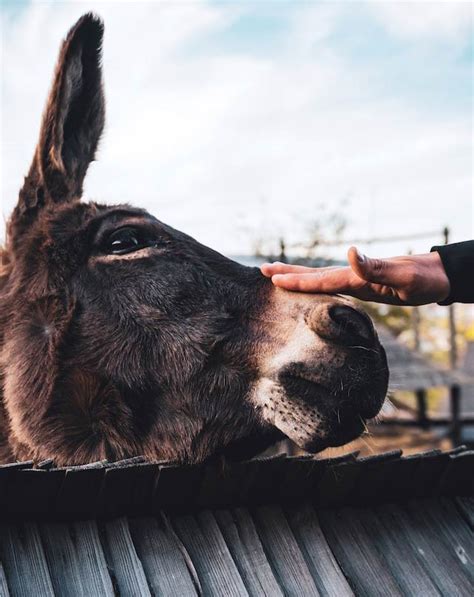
x: 121, y: 336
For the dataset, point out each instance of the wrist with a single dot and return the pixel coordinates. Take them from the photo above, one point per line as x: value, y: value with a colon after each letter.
x: 441, y: 284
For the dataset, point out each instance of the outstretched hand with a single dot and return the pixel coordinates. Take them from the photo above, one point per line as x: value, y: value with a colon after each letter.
x: 410, y: 280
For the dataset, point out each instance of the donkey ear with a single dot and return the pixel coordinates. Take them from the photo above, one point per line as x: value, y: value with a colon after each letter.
x: 72, y: 121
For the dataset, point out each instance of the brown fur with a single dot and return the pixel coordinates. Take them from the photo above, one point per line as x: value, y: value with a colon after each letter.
x: 155, y: 351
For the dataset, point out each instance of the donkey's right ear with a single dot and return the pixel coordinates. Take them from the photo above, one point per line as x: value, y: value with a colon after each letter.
x: 72, y: 122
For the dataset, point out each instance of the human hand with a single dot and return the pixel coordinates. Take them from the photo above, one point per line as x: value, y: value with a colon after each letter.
x: 410, y: 280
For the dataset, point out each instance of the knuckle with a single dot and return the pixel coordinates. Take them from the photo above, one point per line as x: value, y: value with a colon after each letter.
x: 378, y: 266
x: 300, y: 284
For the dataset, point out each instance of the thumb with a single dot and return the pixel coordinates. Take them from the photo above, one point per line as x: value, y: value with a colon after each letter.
x: 377, y: 271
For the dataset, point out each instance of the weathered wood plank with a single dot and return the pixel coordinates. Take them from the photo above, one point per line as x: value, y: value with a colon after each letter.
x: 78, y: 574
x: 452, y: 533
x: 63, y: 562
x: 205, y: 544
x: 465, y: 506
x: 176, y: 487
x: 424, y: 543
x: 363, y: 565
x: 24, y: 561
x: 127, y: 488
x: 7, y: 478
x: 123, y: 560
x: 79, y: 493
x: 242, y: 539
x: 94, y: 571
x: 391, y: 541
x: 327, y: 574
x: 375, y: 471
x: 4, y: 592
x: 144, y: 481
x: 456, y: 479
x: 163, y: 562
x: 283, y: 552
x: 43, y: 484
x: 457, y: 531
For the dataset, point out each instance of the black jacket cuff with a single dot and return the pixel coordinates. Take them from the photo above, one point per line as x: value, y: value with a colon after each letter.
x: 458, y: 262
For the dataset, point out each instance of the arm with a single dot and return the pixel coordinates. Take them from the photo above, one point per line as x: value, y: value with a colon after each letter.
x: 410, y: 280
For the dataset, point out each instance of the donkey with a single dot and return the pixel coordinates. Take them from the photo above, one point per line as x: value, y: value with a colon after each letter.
x: 120, y: 336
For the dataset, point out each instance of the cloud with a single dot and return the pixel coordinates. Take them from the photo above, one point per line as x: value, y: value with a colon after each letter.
x: 230, y: 142
x: 428, y: 19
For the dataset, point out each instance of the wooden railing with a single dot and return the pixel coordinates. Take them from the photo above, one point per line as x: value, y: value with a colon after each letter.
x: 454, y: 422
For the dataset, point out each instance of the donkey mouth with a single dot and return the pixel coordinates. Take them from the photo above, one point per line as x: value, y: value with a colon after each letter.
x: 327, y: 414
x: 302, y: 386
x: 344, y: 434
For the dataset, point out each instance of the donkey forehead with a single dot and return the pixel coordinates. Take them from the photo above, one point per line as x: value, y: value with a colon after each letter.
x: 84, y: 220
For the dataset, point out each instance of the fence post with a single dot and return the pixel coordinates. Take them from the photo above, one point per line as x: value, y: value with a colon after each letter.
x: 455, y: 400
x: 423, y: 420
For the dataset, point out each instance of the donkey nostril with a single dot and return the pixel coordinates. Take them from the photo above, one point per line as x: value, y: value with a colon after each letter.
x: 353, y: 326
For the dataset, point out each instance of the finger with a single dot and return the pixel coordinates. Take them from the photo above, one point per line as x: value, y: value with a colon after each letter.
x: 391, y: 272
x: 269, y: 269
x: 339, y: 280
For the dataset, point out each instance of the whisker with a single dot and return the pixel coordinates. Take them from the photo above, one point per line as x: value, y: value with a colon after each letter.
x: 367, y: 445
x: 365, y: 348
x: 366, y: 429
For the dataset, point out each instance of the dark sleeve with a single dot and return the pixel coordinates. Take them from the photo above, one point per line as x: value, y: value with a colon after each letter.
x: 458, y: 262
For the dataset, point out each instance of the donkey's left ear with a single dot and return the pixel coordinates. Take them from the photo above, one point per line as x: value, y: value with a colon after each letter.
x: 72, y: 122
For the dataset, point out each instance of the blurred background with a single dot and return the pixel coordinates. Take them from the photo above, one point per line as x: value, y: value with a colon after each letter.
x: 287, y: 130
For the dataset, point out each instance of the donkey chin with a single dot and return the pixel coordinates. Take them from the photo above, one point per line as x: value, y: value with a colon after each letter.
x: 322, y: 370
x: 121, y: 336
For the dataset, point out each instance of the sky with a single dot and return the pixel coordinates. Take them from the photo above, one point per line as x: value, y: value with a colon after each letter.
x: 243, y: 122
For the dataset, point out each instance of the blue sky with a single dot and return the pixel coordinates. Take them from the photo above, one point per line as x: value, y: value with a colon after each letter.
x: 254, y: 119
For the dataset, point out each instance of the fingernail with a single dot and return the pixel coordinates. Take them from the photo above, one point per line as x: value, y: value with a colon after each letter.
x: 360, y: 258
x: 277, y: 277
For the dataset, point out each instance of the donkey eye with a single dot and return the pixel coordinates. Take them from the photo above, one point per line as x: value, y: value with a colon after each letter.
x: 125, y: 240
